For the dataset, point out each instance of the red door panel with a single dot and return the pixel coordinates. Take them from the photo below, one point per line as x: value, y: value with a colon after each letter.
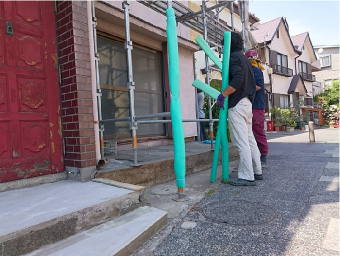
x: 28, y: 12
x: 30, y: 127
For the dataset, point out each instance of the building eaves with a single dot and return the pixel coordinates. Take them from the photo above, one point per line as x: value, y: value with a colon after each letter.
x: 294, y: 83
x: 326, y: 46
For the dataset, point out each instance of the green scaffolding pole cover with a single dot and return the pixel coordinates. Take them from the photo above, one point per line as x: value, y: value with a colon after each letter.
x: 213, y: 93
x: 222, y: 137
x: 224, y: 111
x: 206, y: 48
x: 175, y: 104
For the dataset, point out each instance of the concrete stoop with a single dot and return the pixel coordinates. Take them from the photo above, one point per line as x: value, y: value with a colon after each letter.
x: 161, y: 170
x: 31, y: 218
x: 121, y: 236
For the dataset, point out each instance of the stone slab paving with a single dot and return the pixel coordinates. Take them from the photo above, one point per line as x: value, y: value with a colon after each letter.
x: 293, y: 211
x: 331, y: 240
x: 26, y: 207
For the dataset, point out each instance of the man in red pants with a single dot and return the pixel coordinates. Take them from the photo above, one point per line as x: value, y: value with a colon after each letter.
x: 259, y: 106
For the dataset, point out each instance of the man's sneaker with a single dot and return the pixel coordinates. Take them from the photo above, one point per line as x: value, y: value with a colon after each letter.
x: 264, y: 166
x: 242, y: 182
x: 258, y: 176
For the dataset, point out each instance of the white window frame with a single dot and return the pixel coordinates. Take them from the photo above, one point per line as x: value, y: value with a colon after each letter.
x: 280, y: 60
x: 284, y: 101
x: 325, y: 64
x: 327, y: 83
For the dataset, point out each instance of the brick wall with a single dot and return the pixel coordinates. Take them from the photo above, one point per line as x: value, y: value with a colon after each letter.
x: 76, y: 92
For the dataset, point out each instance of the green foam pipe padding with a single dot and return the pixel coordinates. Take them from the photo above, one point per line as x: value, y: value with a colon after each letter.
x: 213, y: 93
x: 206, y: 48
x: 221, y: 137
x: 175, y: 104
x: 224, y: 112
x: 215, y: 156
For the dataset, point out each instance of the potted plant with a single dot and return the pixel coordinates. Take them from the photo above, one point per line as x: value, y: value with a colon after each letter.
x: 292, y: 120
x: 277, y: 126
x: 285, y: 118
x: 276, y: 116
x: 302, y: 125
x: 290, y: 127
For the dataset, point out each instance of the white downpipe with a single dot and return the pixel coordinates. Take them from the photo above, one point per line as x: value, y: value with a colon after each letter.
x: 93, y: 82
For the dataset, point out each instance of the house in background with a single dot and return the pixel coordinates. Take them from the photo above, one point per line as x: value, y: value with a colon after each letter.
x: 276, y: 49
x: 306, y: 63
x: 292, y: 60
x: 329, y: 61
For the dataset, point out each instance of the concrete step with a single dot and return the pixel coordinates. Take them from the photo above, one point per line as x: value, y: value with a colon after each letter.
x: 156, y: 165
x: 33, y: 217
x: 121, y: 236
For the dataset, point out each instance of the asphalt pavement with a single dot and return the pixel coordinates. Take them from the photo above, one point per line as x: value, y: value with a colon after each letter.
x: 293, y: 211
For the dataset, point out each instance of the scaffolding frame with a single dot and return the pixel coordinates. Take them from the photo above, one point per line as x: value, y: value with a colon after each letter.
x: 205, y: 22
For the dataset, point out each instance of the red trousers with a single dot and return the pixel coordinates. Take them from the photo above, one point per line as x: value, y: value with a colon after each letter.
x: 258, y: 130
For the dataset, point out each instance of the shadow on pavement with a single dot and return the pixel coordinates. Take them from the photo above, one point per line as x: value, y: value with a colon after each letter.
x: 287, y: 213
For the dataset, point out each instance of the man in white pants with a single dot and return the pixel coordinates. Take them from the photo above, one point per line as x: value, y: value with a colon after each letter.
x: 241, y: 92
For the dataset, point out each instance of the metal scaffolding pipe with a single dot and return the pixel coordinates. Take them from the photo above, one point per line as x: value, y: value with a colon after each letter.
x: 169, y: 3
x: 200, y: 120
x: 122, y: 119
x: 190, y: 15
x: 130, y: 84
x: 232, y: 16
x: 101, y: 162
x: 211, y: 124
x: 163, y: 114
x: 153, y: 121
x: 242, y: 10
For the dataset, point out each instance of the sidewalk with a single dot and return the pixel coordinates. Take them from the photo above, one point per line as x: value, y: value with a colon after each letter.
x: 293, y: 211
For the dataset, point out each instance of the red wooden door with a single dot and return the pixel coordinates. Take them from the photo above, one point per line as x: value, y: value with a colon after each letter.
x: 30, y: 124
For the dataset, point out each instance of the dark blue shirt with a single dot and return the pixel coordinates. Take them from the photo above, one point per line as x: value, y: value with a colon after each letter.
x: 259, y: 101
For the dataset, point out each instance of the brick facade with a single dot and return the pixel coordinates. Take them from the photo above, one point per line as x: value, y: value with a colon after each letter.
x: 76, y: 91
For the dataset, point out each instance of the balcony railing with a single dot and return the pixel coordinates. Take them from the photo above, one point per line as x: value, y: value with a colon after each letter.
x: 307, y: 77
x: 280, y: 70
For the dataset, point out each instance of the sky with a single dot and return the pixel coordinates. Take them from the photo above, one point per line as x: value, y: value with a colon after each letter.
x: 319, y: 18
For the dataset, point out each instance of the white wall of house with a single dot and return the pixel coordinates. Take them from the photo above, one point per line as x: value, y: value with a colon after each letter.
x: 280, y: 84
x: 187, y: 93
x: 150, y: 16
x: 305, y: 57
x: 309, y: 88
x: 282, y: 45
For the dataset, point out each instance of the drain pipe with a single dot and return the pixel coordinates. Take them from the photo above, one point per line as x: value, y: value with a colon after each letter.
x: 131, y: 84
x: 91, y: 25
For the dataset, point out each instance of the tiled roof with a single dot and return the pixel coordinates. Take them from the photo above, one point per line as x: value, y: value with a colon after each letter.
x: 265, y: 32
x: 299, y: 40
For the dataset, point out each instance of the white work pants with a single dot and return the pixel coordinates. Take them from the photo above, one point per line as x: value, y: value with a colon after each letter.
x: 241, y: 134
